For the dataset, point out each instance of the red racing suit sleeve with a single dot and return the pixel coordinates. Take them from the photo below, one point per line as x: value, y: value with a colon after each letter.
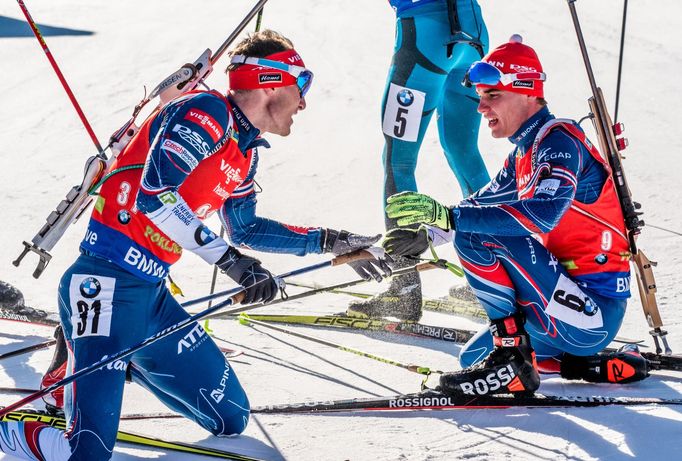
x: 180, y: 143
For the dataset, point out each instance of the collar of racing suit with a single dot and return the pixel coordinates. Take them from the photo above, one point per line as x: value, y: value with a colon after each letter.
x: 249, y: 135
x: 525, y: 135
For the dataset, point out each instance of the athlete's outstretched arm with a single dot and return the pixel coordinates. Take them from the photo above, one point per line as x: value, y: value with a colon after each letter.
x: 555, y: 180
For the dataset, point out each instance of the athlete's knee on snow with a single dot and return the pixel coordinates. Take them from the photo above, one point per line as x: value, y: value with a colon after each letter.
x: 87, y: 445
x: 233, y: 422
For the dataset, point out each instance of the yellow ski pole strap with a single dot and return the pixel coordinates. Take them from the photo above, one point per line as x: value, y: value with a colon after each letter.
x: 454, y: 268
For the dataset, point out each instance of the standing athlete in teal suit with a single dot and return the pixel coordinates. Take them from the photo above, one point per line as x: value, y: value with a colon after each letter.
x: 436, y: 42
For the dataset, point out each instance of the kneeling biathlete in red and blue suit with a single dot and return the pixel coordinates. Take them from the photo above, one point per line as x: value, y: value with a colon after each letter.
x: 195, y: 156
x: 543, y: 245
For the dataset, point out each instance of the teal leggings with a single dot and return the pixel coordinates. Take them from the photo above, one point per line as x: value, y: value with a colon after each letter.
x: 422, y: 78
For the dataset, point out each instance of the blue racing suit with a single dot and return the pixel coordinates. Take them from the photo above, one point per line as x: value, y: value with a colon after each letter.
x: 195, y: 156
x: 569, y: 307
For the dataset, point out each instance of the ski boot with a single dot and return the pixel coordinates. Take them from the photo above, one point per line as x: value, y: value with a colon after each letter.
x: 509, y: 368
x: 465, y: 293
x: 10, y: 296
x: 402, y: 300
x: 54, y: 401
x: 626, y: 365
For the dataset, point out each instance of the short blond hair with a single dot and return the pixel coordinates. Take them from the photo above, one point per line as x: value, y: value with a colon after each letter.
x: 261, y: 44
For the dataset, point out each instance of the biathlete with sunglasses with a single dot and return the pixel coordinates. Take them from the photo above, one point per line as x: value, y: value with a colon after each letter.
x: 197, y: 155
x: 436, y: 42
x: 542, y: 245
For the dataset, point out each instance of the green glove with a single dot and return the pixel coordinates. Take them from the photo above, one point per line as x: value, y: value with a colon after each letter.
x: 415, y: 208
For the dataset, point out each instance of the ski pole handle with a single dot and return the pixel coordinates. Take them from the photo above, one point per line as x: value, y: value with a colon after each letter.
x: 357, y: 255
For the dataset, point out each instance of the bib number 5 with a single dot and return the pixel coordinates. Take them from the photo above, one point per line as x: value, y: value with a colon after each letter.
x: 403, y: 113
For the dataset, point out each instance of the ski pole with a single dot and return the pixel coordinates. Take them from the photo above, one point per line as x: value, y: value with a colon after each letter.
x: 610, y: 146
x: 236, y: 298
x: 27, y: 349
x: 60, y: 76
x: 259, y: 19
x: 337, y: 261
x: 417, y: 268
x: 620, y: 58
x: 244, y: 319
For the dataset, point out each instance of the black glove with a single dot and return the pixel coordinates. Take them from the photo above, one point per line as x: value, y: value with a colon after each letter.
x: 259, y: 284
x: 342, y: 242
x: 406, y: 242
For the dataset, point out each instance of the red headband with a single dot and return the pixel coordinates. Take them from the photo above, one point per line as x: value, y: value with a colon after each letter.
x: 252, y: 77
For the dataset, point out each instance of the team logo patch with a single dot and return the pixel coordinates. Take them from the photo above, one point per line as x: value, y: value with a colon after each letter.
x: 548, y: 187
x: 269, y: 78
x: 203, y: 235
x: 601, y: 258
x: 206, y: 121
x: 123, y: 217
x: 176, y: 149
x: 523, y: 84
x: 90, y: 287
x: 405, y: 97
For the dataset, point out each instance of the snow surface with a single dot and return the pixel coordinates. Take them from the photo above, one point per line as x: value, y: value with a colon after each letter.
x: 328, y: 172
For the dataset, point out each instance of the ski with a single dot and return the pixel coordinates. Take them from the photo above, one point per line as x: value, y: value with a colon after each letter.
x: 17, y: 390
x: 455, y: 335
x: 462, y: 304
x: 131, y: 437
x: 462, y: 307
x: 30, y: 315
x: 663, y: 362
x: 434, y: 400
x: 454, y: 305
x: 228, y: 353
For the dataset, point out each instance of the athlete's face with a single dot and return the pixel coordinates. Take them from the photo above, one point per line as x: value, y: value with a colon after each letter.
x: 505, y: 111
x: 284, y: 103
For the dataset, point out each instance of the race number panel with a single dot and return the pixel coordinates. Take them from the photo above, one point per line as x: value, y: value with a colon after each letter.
x: 91, y: 305
x: 570, y: 305
x: 403, y: 115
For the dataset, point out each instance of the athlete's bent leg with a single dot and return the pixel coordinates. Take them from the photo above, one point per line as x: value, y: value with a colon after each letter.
x: 510, y: 274
x: 190, y: 375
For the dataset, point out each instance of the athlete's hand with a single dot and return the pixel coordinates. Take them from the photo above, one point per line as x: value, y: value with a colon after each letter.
x: 342, y: 242
x: 259, y: 284
x: 415, y: 208
x: 406, y: 241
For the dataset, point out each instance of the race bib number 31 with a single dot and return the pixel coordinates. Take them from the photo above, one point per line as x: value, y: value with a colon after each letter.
x: 91, y: 304
x: 403, y: 115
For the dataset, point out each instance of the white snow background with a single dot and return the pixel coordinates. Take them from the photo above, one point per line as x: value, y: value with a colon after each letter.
x: 328, y: 172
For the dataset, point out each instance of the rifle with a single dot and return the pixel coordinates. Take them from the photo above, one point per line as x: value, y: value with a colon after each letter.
x: 98, y: 167
x: 611, y: 143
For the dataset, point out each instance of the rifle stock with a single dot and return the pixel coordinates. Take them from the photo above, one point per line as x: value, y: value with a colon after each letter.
x: 610, y: 146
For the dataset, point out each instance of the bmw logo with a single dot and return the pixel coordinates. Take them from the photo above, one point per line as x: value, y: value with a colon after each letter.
x: 123, y: 217
x: 90, y: 287
x: 601, y: 258
x: 590, y: 307
x: 203, y: 235
x: 405, y: 97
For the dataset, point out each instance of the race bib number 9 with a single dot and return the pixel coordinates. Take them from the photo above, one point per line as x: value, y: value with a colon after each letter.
x: 403, y: 115
x: 91, y: 305
x: 571, y: 305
